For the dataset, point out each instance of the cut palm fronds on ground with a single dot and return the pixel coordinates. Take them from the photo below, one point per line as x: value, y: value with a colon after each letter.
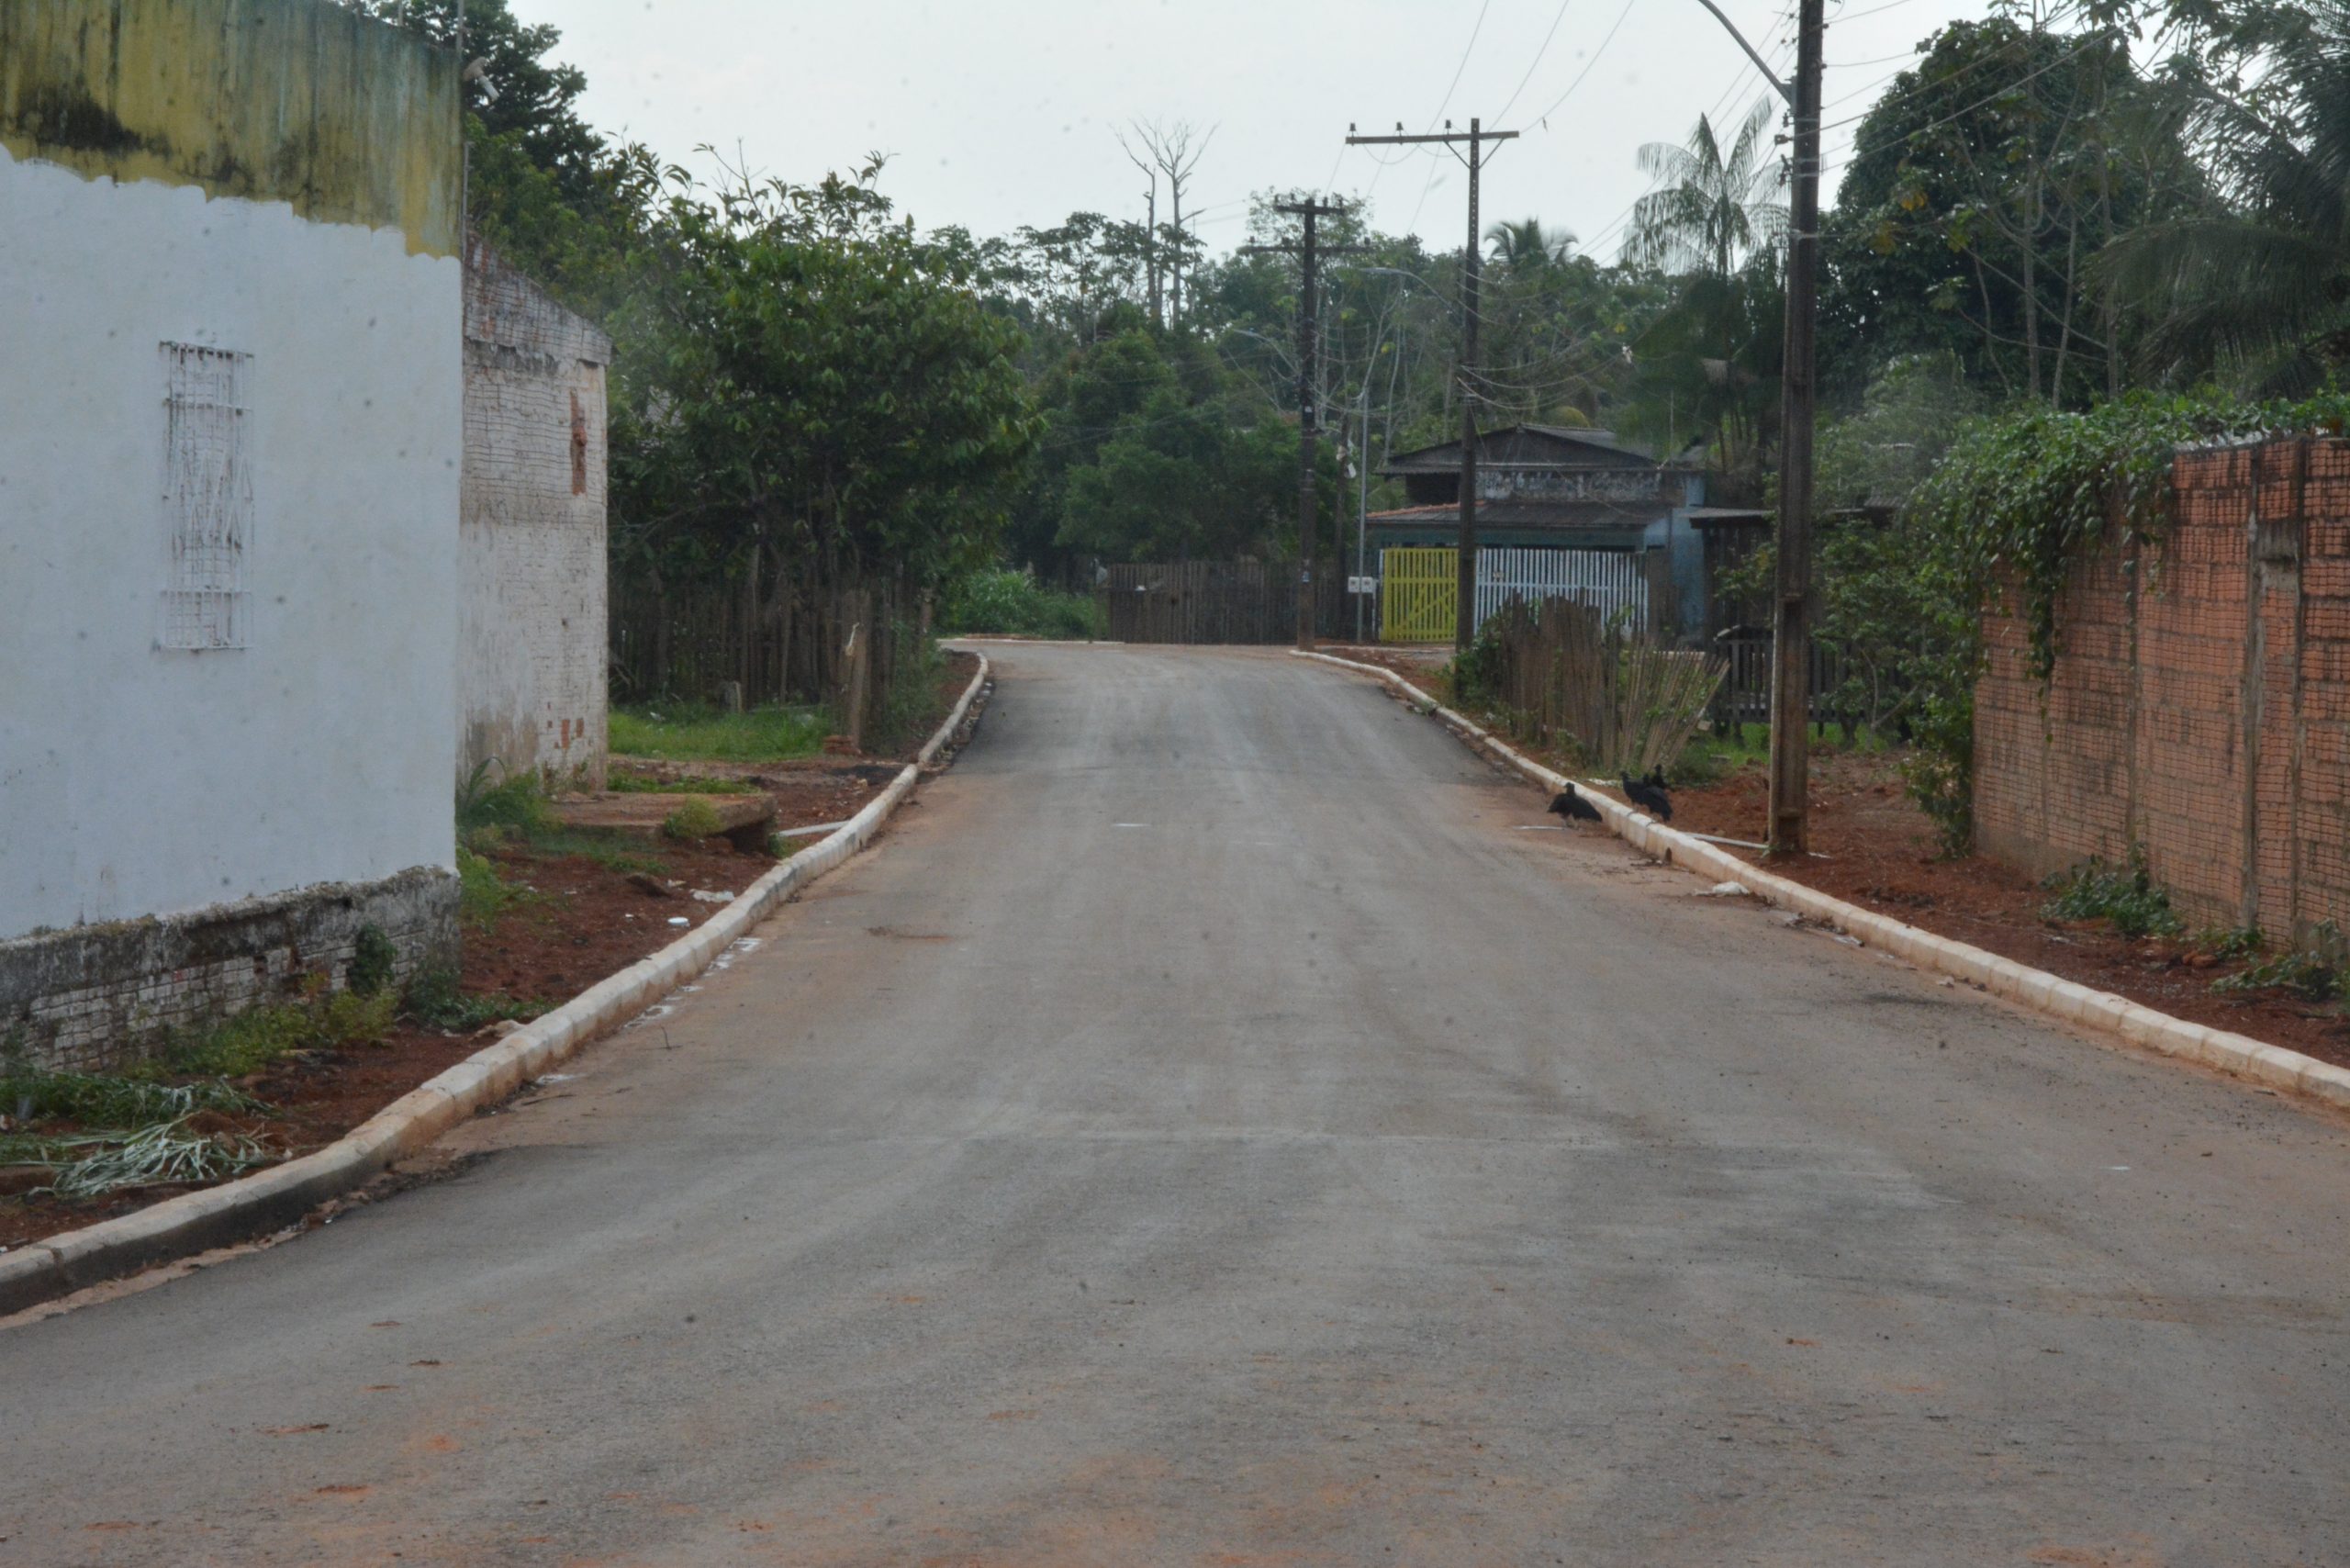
x: 166, y: 1153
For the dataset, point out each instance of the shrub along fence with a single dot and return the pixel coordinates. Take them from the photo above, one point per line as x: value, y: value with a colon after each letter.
x: 1562, y: 674
x: 846, y: 645
x: 1220, y: 601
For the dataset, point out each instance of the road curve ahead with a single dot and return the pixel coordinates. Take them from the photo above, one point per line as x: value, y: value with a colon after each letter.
x: 1209, y: 1131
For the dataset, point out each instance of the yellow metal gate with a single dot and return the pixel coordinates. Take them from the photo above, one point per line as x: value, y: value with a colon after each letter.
x: 1418, y: 592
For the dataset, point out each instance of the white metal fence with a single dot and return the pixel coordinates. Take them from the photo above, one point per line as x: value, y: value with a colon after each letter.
x: 1611, y: 580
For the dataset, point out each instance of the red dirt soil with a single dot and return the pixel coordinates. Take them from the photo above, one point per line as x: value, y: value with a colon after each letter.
x: 1880, y: 854
x: 579, y: 921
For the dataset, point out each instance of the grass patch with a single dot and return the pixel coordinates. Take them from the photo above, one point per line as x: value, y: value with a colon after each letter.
x: 258, y: 1036
x: 515, y: 806
x: 685, y: 731
x: 482, y: 894
x: 693, y: 819
x: 645, y: 784
x: 2227, y: 944
x: 2124, y: 897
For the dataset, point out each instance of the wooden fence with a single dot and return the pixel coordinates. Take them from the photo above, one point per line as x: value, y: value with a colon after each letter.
x: 1219, y: 601
x: 1745, y: 695
x: 784, y: 641
x: 1563, y: 673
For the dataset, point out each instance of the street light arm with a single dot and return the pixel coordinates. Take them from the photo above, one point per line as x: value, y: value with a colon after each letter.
x: 1732, y: 27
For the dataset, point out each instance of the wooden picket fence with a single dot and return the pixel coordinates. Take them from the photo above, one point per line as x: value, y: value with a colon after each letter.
x: 1219, y: 601
x: 1564, y: 674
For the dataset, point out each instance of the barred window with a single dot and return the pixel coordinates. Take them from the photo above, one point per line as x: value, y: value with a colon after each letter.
x: 207, y: 496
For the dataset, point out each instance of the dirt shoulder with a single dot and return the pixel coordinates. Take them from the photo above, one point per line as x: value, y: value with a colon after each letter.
x: 1874, y: 848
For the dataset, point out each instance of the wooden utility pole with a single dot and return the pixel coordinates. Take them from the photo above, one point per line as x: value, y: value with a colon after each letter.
x: 1464, y: 614
x: 1309, y: 251
x: 1790, y: 831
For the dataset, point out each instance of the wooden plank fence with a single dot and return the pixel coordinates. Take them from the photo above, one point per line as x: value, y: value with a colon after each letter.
x: 1745, y: 694
x: 1220, y: 601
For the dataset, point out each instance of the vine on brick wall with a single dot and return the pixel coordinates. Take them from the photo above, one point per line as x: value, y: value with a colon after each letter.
x: 2031, y: 489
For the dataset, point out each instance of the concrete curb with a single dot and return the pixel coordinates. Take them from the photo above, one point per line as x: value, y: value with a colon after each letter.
x: 267, y: 1200
x: 2271, y: 1066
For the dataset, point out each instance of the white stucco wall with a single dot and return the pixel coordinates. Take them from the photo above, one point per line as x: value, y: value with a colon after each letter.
x: 136, y: 779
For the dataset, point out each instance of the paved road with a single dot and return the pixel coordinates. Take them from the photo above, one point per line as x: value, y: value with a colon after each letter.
x: 1207, y: 1132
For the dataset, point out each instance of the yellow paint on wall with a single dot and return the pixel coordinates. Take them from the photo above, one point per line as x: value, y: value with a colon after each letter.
x: 346, y: 120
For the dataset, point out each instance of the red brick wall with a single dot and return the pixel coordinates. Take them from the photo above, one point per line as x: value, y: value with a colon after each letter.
x: 2200, y: 704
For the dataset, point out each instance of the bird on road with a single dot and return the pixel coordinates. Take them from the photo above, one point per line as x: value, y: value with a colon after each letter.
x: 1649, y: 794
x: 1573, y: 807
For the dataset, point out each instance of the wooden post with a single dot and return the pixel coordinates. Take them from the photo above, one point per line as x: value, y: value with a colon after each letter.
x: 860, y: 659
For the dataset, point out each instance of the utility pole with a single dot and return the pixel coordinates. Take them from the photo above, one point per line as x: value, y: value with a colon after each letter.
x: 1309, y: 251
x: 1790, y: 829
x: 1464, y: 614
x: 1791, y: 623
x: 1362, y: 503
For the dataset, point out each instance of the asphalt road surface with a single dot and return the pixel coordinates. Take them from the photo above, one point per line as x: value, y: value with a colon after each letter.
x: 1208, y: 1131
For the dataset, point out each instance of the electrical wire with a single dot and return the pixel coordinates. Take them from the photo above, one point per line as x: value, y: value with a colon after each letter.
x: 1588, y: 64
x: 1560, y: 17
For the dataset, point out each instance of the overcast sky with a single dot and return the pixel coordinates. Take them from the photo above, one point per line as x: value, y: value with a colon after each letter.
x: 1001, y: 114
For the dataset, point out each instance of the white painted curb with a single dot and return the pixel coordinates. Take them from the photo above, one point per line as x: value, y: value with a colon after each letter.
x: 2272, y: 1066
x: 283, y: 1193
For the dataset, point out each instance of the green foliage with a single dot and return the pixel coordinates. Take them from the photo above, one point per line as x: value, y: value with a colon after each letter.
x: 1476, y: 673
x: 1008, y: 601
x: 482, y: 894
x: 436, y: 999
x: 2227, y: 944
x: 687, y: 730
x: 113, y: 1099
x: 645, y: 784
x: 2123, y: 896
x: 693, y: 819
x: 2024, y: 491
x: 2304, y: 975
x: 372, y: 960
x: 516, y: 805
x: 252, y: 1039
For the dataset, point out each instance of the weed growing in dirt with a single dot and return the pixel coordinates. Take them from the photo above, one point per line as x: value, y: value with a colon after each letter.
x: 2123, y: 896
x: 260, y: 1035
x: 2227, y: 944
x: 686, y: 730
x: 2304, y: 975
x: 482, y: 894
x: 517, y: 805
x: 436, y: 1000
x: 645, y: 784
x: 695, y: 819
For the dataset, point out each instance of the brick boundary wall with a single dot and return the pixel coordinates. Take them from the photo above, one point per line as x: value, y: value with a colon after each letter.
x: 2200, y: 703
x: 98, y: 997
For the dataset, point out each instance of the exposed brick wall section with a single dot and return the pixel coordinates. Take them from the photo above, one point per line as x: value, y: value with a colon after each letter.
x: 532, y: 632
x: 2200, y: 704
x: 98, y: 997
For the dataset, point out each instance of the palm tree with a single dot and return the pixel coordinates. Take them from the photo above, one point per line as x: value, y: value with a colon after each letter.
x: 1527, y: 246
x: 1711, y: 206
x: 2259, y: 279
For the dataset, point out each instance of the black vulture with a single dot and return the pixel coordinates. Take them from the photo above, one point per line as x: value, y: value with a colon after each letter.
x: 1573, y: 807
x: 1649, y: 794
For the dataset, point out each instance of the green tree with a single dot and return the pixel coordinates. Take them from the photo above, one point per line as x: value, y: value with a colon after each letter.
x: 1714, y: 204
x: 2254, y: 281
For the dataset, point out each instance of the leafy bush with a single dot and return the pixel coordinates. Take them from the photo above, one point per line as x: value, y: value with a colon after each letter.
x: 258, y: 1036
x: 1008, y: 601
x: 2304, y: 975
x: 2123, y: 896
x: 695, y: 819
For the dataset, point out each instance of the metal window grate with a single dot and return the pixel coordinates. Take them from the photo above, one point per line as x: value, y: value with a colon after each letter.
x: 207, y: 496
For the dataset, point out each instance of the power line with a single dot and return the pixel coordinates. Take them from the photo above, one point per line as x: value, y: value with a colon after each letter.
x: 1586, y: 70
x: 1555, y: 20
